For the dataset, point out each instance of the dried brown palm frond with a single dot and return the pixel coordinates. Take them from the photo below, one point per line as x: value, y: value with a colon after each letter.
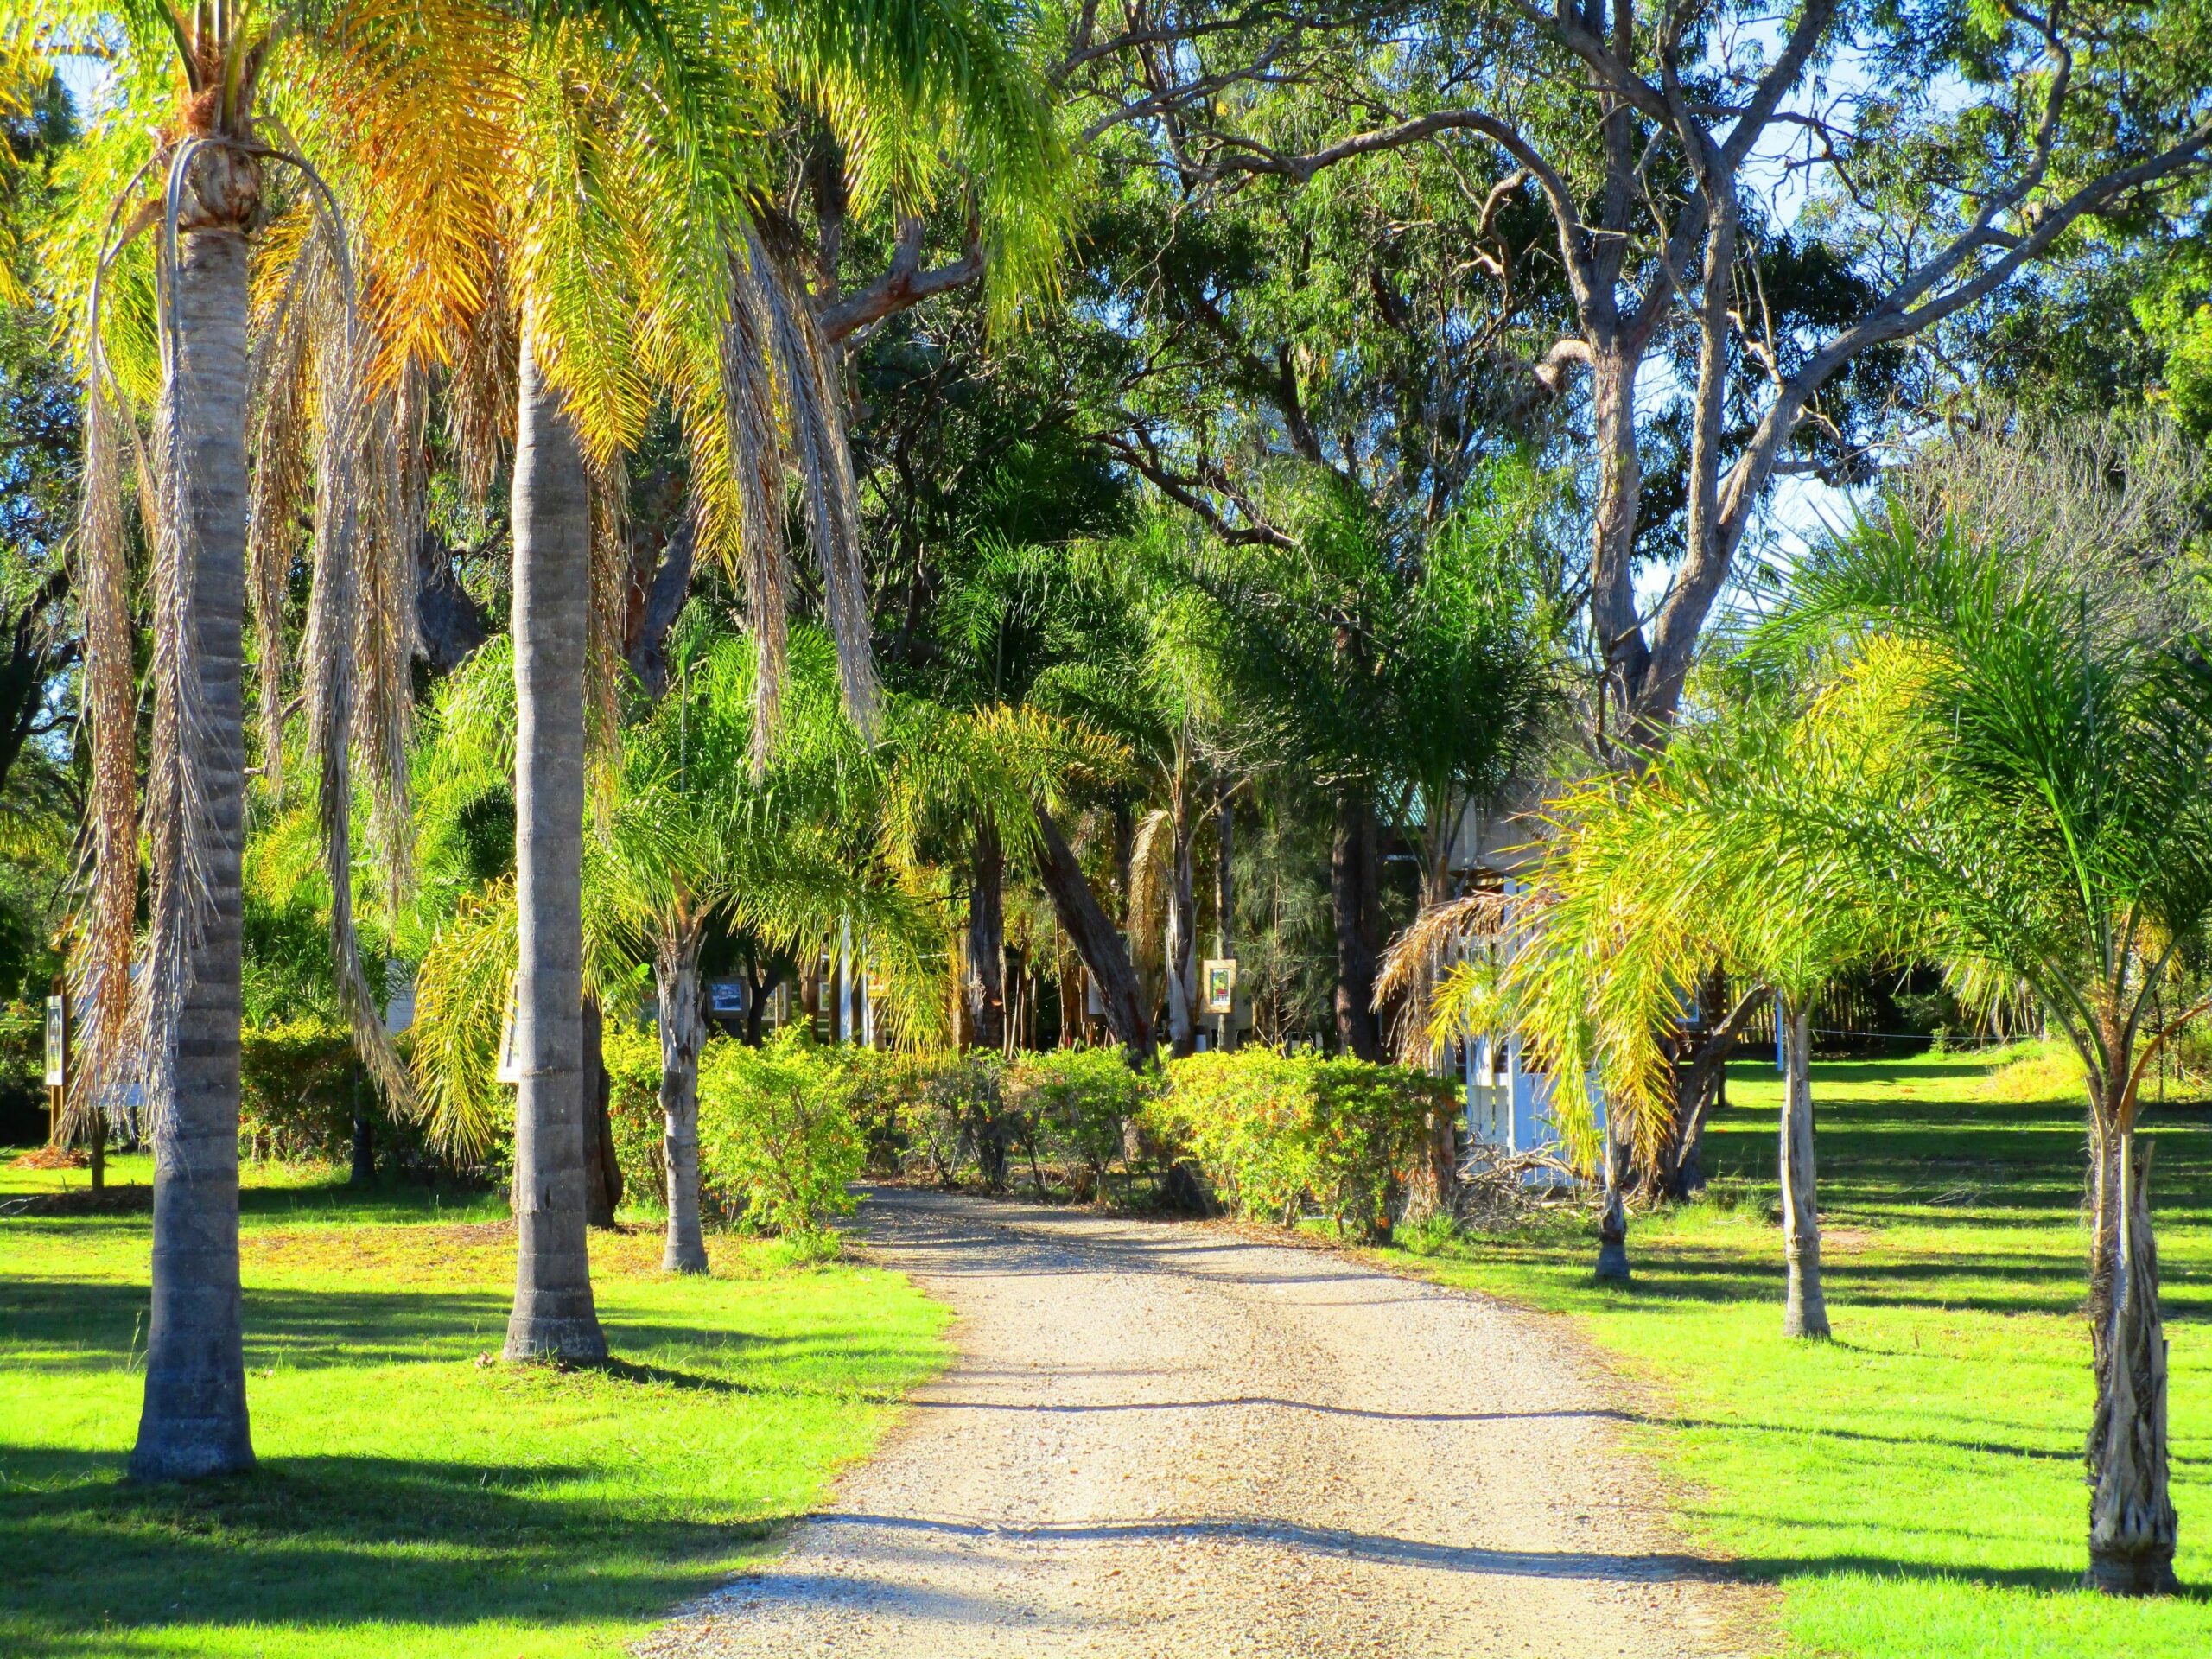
x: 481, y: 389
x: 279, y: 410
x: 1417, y: 961
x: 106, y: 929
x: 332, y: 652
x: 392, y: 487
x: 751, y: 451
x: 1152, y: 861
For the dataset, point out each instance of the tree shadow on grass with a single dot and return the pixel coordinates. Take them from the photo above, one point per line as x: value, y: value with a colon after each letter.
x: 329, y: 1541
x: 59, y: 1321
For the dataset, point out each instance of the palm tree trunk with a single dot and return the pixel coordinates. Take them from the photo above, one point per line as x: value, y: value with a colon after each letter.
x: 1806, y: 1311
x: 1182, y: 930
x: 683, y: 1032
x: 554, y: 1314
x: 986, y: 938
x: 193, y: 1421
x: 602, y: 1172
x: 2131, y: 1526
x: 1358, y: 1033
x: 1612, y: 1219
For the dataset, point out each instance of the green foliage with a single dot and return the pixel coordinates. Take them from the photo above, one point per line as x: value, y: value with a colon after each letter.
x: 632, y: 1057
x: 778, y: 1142
x: 298, y: 1082
x: 1073, y: 1103
x: 954, y: 1112
x: 1279, y: 1136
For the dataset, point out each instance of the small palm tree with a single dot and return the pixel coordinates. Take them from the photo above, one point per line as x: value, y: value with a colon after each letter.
x: 797, y: 853
x: 1647, y: 887
x: 2008, y: 761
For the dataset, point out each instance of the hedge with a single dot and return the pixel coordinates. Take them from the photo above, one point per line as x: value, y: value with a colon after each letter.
x: 1279, y: 1137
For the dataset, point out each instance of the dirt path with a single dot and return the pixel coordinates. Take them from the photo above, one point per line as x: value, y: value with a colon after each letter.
x: 1164, y: 1439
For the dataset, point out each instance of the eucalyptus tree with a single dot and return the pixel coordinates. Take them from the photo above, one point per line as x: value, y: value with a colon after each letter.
x: 2013, y: 745
x: 1606, y: 170
x: 206, y: 173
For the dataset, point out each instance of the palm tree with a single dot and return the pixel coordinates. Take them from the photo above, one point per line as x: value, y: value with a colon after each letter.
x: 2010, y: 759
x: 647, y: 260
x: 179, y: 192
x: 797, y: 853
x: 1017, y: 616
x: 1418, y: 681
x: 1647, y: 887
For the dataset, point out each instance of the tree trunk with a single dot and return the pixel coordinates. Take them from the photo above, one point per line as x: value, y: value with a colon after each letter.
x: 193, y: 1421
x: 1358, y: 1033
x: 1104, y: 950
x: 986, y: 938
x: 1613, y: 1220
x: 602, y: 1173
x: 364, y: 1170
x: 1806, y: 1311
x: 2131, y: 1526
x: 809, y: 993
x: 682, y: 1033
x: 1182, y: 972
x: 554, y: 1314
x: 1224, y: 893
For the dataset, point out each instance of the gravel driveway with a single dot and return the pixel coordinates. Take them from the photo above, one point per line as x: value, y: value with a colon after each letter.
x: 1165, y: 1438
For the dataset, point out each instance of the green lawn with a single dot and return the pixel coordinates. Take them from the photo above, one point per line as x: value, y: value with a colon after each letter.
x: 414, y: 1498
x: 1914, y: 1487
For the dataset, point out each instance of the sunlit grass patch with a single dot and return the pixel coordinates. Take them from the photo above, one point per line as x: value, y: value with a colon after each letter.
x: 414, y: 1498
x: 1915, y: 1487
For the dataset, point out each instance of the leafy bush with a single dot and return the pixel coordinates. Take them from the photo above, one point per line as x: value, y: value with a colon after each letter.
x: 631, y: 1056
x: 955, y: 1114
x: 296, y: 1083
x: 299, y: 1082
x: 1072, y: 1104
x: 1281, y: 1136
x: 778, y: 1142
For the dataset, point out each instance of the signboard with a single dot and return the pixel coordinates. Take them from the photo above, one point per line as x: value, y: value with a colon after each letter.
x: 57, y: 1042
x: 1217, y: 982
x: 509, y: 1062
x: 726, y: 998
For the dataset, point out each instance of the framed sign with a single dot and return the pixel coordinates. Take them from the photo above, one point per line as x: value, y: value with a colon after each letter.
x: 726, y: 998
x: 509, y: 1062
x: 57, y: 1042
x: 1218, y: 979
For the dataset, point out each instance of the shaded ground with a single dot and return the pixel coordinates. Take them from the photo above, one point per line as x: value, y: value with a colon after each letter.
x: 1166, y: 1440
